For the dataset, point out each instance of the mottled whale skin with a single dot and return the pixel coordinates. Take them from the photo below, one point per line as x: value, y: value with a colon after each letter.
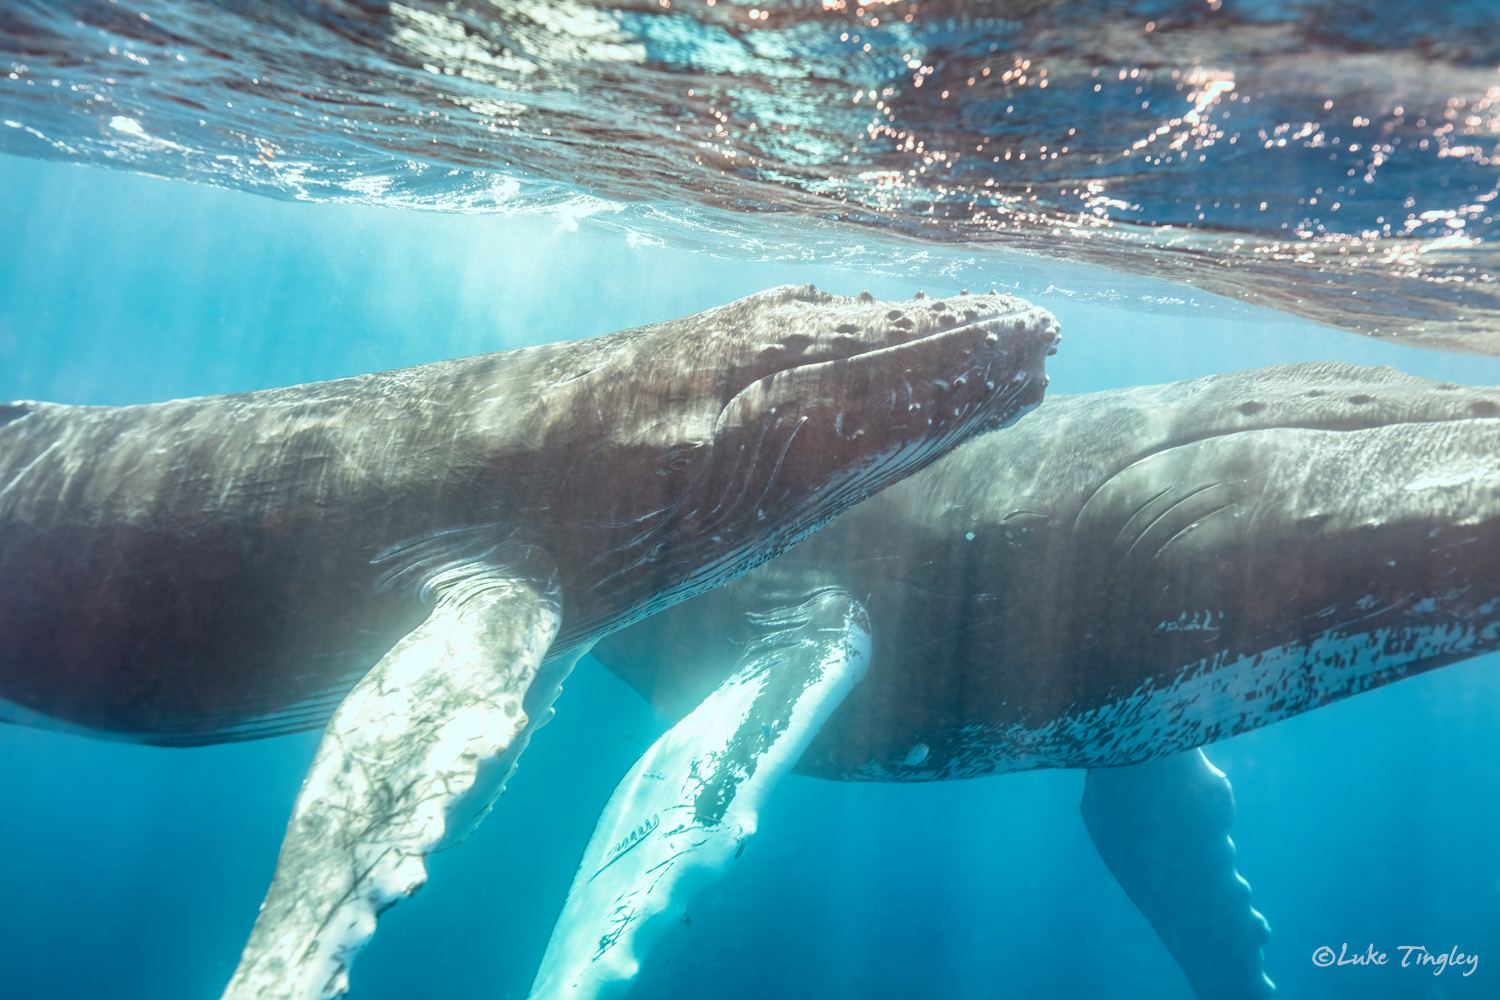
x: 226, y: 567
x: 1131, y: 574
x: 418, y: 558
x: 1118, y: 580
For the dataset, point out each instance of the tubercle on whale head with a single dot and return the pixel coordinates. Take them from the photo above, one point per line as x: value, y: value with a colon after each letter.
x: 723, y: 351
x: 803, y: 444
x: 780, y: 411
x: 690, y: 372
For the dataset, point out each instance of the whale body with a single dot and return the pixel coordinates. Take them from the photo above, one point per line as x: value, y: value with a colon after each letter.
x: 1130, y: 574
x: 417, y: 558
x: 1119, y: 580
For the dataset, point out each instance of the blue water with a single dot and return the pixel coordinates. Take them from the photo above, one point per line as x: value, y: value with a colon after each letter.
x: 135, y: 872
x: 1331, y: 158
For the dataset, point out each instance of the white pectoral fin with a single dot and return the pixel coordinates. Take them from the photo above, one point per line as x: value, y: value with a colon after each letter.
x: 688, y: 806
x: 412, y: 758
x: 1162, y: 828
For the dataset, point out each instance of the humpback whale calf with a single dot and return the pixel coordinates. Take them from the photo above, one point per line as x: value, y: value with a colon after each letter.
x: 418, y: 557
x: 1118, y: 580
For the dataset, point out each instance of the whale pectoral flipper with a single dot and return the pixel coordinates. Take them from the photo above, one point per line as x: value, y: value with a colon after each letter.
x: 1162, y: 829
x: 414, y: 754
x: 688, y: 806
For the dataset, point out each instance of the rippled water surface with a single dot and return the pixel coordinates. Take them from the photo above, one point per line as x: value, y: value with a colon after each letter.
x: 1335, y: 159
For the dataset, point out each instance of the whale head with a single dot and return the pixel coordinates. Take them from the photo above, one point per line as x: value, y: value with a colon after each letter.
x: 771, y: 415
x: 1208, y: 556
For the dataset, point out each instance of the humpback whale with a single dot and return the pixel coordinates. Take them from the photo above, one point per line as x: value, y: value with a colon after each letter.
x: 417, y: 558
x: 1120, y: 579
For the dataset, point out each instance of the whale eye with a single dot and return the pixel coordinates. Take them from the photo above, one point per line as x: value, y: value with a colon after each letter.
x: 683, y: 459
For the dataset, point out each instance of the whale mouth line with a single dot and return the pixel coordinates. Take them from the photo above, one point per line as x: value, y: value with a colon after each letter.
x: 1188, y: 440
x: 1169, y: 514
x: 1317, y: 427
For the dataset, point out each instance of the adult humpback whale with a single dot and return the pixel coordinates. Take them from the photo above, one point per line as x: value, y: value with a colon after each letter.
x: 1122, y: 577
x: 230, y: 567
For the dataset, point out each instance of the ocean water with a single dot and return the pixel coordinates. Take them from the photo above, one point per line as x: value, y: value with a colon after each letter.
x: 390, y: 184
x: 135, y: 872
x: 1334, y: 159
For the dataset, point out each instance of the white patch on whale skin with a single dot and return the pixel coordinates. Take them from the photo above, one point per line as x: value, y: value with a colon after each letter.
x: 1213, y: 699
x: 688, y: 806
x: 1453, y: 480
x: 411, y: 760
x: 1206, y: 620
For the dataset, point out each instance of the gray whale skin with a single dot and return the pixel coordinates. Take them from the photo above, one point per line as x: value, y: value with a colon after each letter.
x: 1124, y: 577
x: 1130, y: 574
x: 423, y: 554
